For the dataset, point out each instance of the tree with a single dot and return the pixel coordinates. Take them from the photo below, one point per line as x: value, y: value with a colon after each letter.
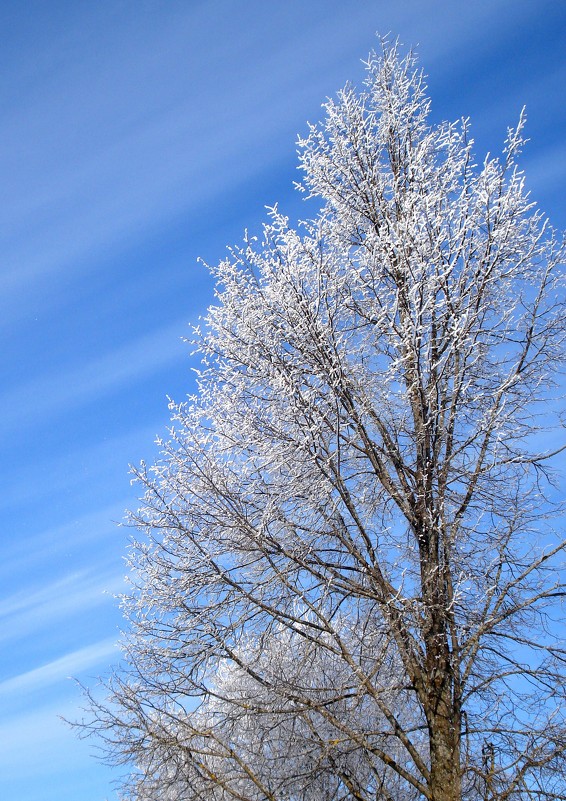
x: 348, y: 583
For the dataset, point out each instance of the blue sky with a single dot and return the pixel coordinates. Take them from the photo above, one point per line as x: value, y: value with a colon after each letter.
x: 137, y: 137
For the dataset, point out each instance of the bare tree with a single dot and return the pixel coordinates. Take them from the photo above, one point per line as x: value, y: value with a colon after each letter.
x: 348, y: 584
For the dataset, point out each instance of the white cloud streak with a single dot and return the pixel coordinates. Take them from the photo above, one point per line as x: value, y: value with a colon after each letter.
x: 65, y: 667
x: 38, y: 400
x: 172, y: 120
x: 28, y: 610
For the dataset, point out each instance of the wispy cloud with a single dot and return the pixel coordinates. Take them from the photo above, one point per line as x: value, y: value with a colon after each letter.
x: 26, y: 611
x: 97, y: 527
x: 546, y: 172
x: 86, y: 176
x: 38, y: 400
x: 67, y: 666
x: 31, y: 743
x: 39, y: 744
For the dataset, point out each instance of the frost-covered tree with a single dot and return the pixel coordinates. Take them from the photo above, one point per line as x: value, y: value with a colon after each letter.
x: 347, y: 584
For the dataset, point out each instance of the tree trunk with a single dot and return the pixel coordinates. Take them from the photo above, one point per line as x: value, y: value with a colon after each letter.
x: 442, y: 705
x: 445, y: 773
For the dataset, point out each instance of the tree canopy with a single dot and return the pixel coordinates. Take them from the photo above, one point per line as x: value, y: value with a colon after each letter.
x: 347, y: 581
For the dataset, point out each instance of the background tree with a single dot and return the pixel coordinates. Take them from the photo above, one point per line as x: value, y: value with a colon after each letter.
x: 348, y: 584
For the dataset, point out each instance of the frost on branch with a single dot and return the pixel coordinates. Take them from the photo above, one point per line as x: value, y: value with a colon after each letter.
x: 347, y: 583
